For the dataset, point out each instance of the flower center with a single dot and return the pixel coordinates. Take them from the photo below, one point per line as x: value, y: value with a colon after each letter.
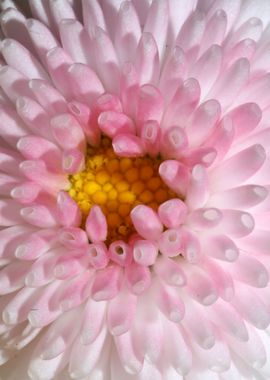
x: 117, y: 184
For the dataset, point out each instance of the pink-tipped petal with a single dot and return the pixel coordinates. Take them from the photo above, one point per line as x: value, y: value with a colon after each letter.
x: 175, y: 175
x: 73, y: 161
x: 96, y: 225
x: 138, y: 278
x: 170, y: 271
x: 26, y: 192
x: 150, y: 136
x: 120, y: 253
x: 106, y: 60
x: 236, y: 165
x: 73, y: 237
x: 113, y: 123
x: 128, y: 31
x: 145, y: 252
x: 170, y: 303
x: 39, y: 216
x: 198, y: 189
x: 146, y: 222
x: 202, y: 289
x: 98, y: 255
x: 68, y: 212
x: 121, y: 312
x: 147, y: 59
x: 85, y: 83
x: 34, y: 148
x: 150, y: 105
x: 67, y: 132
x: 205, y: 218
x: 106, y: 283
x: 172, y: 213
x: 174, y: 141
x: 191, y: 246
x: 170, y: 243
x: 126, y: 145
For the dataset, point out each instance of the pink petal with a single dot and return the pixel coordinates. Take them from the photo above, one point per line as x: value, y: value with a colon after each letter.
x: 145, y: 252
x: 146, y: 222
x: 96, y: 225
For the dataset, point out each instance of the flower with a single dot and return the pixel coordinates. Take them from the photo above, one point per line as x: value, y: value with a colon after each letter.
x: 134, y: 183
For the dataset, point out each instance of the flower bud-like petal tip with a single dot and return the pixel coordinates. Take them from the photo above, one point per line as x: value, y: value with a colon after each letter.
x: 146, y: 222
x: 96, y: 225
x: 145, y: 252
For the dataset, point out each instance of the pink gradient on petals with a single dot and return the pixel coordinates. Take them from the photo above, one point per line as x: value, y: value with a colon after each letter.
x: 145, y: 252
x: 146, y: 222
x: 126, y: 145
x: 150, y: 136
x: 172, y: 213
x: 73, y: 237
x: 98, y: 255
x: 175, y: 175
x: 26, y: 192
x: 68, y: 212
x: 138, y: 278
x: 67, y: 132
x: 106, y: 283
x: 73, y: 161
x: 186, y: 293
x: 170, y: 243
x: 96, y: 225
x: 113, y: 123
x: 120, y: 253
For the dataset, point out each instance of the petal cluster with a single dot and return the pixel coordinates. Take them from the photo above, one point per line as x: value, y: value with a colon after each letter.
x: 186, y: 296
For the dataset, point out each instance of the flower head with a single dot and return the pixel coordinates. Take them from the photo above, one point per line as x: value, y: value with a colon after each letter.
x: 134, y: 182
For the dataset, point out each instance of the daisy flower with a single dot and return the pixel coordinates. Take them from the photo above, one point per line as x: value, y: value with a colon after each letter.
x: 134, y: 183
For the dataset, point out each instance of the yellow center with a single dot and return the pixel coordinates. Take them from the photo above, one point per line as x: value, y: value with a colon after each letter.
x: 117, y: 184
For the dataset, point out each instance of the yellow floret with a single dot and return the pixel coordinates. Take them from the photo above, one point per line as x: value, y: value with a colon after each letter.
x: 113, y: 219
x: 117, y: 185
x: 78, y: 184
x: 113, y: 165
x: 85, y: 207
x: 124, y: 209
x: 102, y: 177
x: 72, y: 192
x: 107, y: 187
x: 132, y: 175
x: 96, y: 162
x: 91, y: 187
x: 154, y: 183
x: 110, y: 153
x: 121, y: 186
x: 81, y: 196
x: 137, y: 187
x: 146, y: 172
x: 112, y: 205
x: 125, y: 164
x: 126, y: 197
x: 161, y: 196
x: 112, y: 194
x: 123, y: 230
x: 116, y: 177
x: 90, y: 176
x: 100, y: 197
x: 147, y: 196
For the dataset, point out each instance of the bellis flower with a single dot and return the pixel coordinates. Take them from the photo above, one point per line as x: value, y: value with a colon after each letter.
x: 134, y: 183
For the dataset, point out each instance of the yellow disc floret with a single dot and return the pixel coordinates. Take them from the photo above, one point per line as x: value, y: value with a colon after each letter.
x: 117, y: 184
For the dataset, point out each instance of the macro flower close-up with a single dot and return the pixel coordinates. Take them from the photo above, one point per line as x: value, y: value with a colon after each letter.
x: 134, y: 190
